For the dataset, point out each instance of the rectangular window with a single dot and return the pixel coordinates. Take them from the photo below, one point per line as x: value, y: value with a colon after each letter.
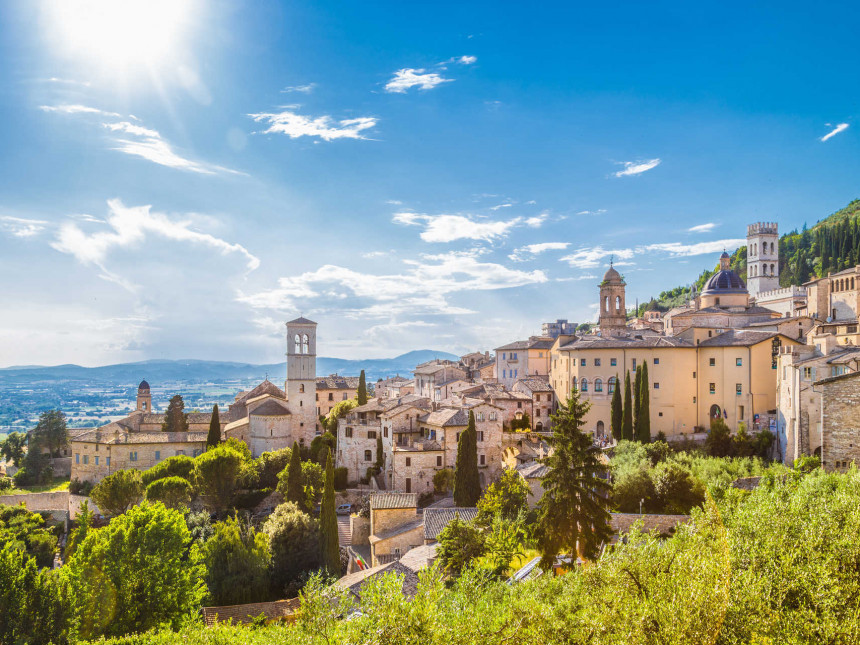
x: 694, y: 375
x: 347, y: 432
x: 738, y: 389
x: 656, y: 361
x: 480, y: 435
x: 656, y: 385
x: 368, y: 456
x: 613, y: 362
x: 634, y: 364
x: 409, y: 461
x: 519, y: 404
x: 712, y: 388
x: 371, y: 434
x: 157, y: 455
x: 596, y: 362
x: 503, y: 356
x: 438, y: 461
x: 582, y: 362
x: 739, y: 362
x: 77, y: 458
x: 97, y: 460
x: 712, y: 362
x: 483, y: 460
x: 515, y: 373
x: 492, y: 416
x: 385, y: 432
x: 107, y: 461
x: 132, y: 456
x: 807, y: 372
x: 344, y: 396
x: 86, y: 459
x: 480, y: 416
x: 331, y: 396
x: 740, y: 413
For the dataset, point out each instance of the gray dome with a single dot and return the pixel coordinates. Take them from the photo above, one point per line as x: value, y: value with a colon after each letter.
x: 143, y: 386
x: 725, y: 281
x: 612, y: 275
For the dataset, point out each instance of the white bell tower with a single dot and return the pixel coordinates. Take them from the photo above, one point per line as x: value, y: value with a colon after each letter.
x: 301, y: 377
x: 762, y: 258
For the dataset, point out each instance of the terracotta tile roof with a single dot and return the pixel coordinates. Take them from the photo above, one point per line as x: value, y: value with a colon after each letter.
x: 104, y: 436
x: 532, y: 343
x: 266, y: 387
x: 446, y: 418
x: 532, y: 470
x: 301, y: 320
x: 625, y: 342
x: 739, y: 338
x: 840, y: 377
x: 337, y: 382
x: 243, y: 614
x: 355, y: 581
x: 393, y: 500
x: 535, y: 384
x: 436, y: 519
x: 271, y: 408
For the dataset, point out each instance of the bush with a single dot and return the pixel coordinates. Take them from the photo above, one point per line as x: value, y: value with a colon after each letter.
x: 237, y: 560
x: 443, y: 481
x: 5, y: 483
x: 173, y: 492
x: 178, y: 466
x: 269, y: 466
x: 425, y: 499
x: 341, y: 475
x: 116, y: 493
x: 294, y: 539
x: 77, y: 487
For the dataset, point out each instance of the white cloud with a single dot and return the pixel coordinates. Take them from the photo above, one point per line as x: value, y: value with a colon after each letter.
x: 679, y: 249
x: 599, y: 211
x: 498, y: 206
x: 407, y: 78
x: 419, y: 288
x: 529, y: 251
x: 839, y: 128
x: 589, y: 258
x: 636, y: 167
x: 464, y: 60
x: 537, y: 221
x: 20, y: 227
x: 447, y: 228
x: 129, y: 227
x: 76, y: 109
x: 304, y: 89
x: 370, y: 255
x: 578, y: 278
x: 296, y: 125
x: 702, y: 228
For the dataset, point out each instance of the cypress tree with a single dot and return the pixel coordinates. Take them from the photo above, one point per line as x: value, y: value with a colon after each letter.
x: 329, y: 539
x: 380, y: 455
x: 175, y: 419
x: 214, y: 437
x: 617, y: 412
x: 295, y: 489
x: 362, y: 389
x: 627, y: 420
x: 643, y: 433
x: 467, y: 483
x: 637, y: 402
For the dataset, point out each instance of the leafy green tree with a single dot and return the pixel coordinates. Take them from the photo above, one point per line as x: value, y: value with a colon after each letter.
x: 617, y: 413
x: 177, y: 466
x: 175, y: 419
x: 627, y: 422
x: 12, y: 448
x: 362, y: 389
x: 31, y: 607
x: 637, y: 404
x: 50, y: 432
x: 270, y: 464
x: 135, y: 574
x: 218, y: 471
x: 643, y: 428
x: 718, y: 443
x: 339, y: 411
x: 633, y: 490
x: 807, y: 463
x: 294, y: 539
x: 443, y: 481
x: 294, y: 489
x: 329, y: 539
x: 117, y: 493
x: 676, y: 489
x: 214, y: 437
x: 505, y: 498
x: 459, y: 544
x: 526, y: 421
x: 199, y: 525
x: 237, y: 560
x: 572, y: 513
x: 28, y: 532
x: 467, y: 484
x: 318, y: 445
x: 313, y: 482
x: 79, y: 533
x: 504, y: 542
x: 173, y: 492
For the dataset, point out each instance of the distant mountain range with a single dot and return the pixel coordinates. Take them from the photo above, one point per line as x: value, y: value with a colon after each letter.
x: 195, y: 371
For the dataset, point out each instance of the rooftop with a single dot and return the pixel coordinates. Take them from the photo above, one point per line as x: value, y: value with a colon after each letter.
x: 739, y: 338
x: 393, y: 500
x: 436, y: 519
x: 243, y: 614
x: 355, y: 581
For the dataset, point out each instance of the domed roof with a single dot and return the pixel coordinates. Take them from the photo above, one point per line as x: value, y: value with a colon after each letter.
x: 612, y: 275
x: 725, y: 255
x: 724, y: 281
x: 143, y: 385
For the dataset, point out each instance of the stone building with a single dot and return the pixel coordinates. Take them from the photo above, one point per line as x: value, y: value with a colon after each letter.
x: 333, y: 389
x: 558, y: 328
x: 762, y: 257
x: 395, y: 526
x: 840, y: 421
x: 432, y: 378
x: 390, y: 388
x: 612, y: 318
x: 835, y: 297
x: 523, y: 358
x: 542, y: 400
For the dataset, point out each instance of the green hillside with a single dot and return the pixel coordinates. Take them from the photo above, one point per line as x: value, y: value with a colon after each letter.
x: 831, y: 245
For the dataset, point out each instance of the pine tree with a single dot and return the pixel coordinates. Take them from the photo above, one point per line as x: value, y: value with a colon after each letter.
x: 175, y: 419
x: 627, y: 421
x: 295, y: 487
x: 214, y: 437
x: 362, y: 389
x: 467, y: 483
x: 329, y: 539
x: 380, y: 453
x: 617, y: 412
x: 643, y: 429
x: 637, y: 402
x: 573, y: 511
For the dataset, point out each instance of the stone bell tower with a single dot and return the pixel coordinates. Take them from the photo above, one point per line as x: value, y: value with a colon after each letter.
x: 301, y: 385
x: 762, y: 257
x: 144, y: 398
x: 613, y: 311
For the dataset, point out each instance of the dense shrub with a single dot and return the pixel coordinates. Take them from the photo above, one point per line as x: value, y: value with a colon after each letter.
x: 294, y: 540
x: 341, y: 475
x: 77, y: 487
x: 178, y: 466
x: 237, y: 560
x: 5, y: 483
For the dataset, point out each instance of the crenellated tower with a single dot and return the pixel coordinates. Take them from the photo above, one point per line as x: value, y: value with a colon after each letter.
x: 762, y: 257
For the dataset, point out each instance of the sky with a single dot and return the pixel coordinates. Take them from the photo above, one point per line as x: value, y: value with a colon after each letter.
x: 179, y: 178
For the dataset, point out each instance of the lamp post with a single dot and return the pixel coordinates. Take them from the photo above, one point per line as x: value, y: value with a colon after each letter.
x: 641, y: 501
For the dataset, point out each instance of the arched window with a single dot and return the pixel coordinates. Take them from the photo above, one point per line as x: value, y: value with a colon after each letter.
x: 302, y: 387
x: 573, y: 383
x: 606, y: 304
x: 617, y: 303
x: 601, y: 429
x: 598, y: 385
x: 772, y: 272
x: 613, y: 382
x: 298, y: 343
x: 583, y: 385
x: 771, y: 252
x: 305, y: 344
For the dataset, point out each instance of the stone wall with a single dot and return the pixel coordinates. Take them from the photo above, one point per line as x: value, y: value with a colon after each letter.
x: 404, y: 541
x: 57, y: 502
x: 385, y: 519
x: 841, y: 430
x: 359, y: 528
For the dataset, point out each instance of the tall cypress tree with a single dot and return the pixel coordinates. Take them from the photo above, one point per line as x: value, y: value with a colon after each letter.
x: 467, y: 482
x: 637, y: 402
x: 214, y: 437
x: 175, y: 419
x: 295, y: 488
x: 617, y: 412
x: 329, y: 539
x: 643, y: 431
x: 627, y: 421
x: 362, y: 389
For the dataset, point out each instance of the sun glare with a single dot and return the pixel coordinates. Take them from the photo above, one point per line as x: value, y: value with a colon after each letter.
x: 120, y: 34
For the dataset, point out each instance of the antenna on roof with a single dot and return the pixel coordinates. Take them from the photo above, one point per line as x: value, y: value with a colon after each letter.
x: 611, y: 260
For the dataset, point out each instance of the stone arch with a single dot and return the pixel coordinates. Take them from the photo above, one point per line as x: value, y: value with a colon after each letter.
x: 613, y: 383
x: 606, y: 304
x: 600, y: 429
x: 598, y: 385
x: 715, y: 412
x: 306, y: 343
x: 301, y: 387
x: 583, y: 384
x: 539, y: 426
x: 617, y: 303
x: 298, y: 344
x: 772, y: 271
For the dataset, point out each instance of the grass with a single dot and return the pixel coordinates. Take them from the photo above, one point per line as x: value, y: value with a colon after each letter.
x: 52, y: 487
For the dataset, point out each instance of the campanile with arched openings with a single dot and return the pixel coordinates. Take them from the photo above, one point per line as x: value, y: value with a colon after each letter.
x: 301, y: 376
x: 613, y: 310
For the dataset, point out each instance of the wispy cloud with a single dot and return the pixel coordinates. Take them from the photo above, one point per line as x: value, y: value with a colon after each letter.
x: 21, y: 227
x: 407, y: 78
x: 295, y: 125
x: 464, y: 60
x: 530, y: 251
x: 839, y: 128
x: 702, y: 228
x: 680, y: 249
x: 302, y: 89
x: 599, y: 211
x: 67, y: 81
x: 537, y: 221
x: 589, y: 258
x: 499, y: 206
x: 130, y: 227
x: 637, y: 167
x: 76, y: 109
x: 447, y: 228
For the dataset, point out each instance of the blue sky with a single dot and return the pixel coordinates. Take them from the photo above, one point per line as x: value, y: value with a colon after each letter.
x: 178, y: 179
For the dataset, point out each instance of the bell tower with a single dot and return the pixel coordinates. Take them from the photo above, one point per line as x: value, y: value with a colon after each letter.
x: 301, y: 377
x: 613, y: 311
x: 144, y: 398
x: 762, y: 257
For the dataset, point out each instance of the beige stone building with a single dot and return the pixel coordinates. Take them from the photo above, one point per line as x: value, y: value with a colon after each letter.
x: 835, y: 297
x: 333, y: 389
x: 391, y: 388
x: 434, y: 378
x: 543, y: 402
x: 840, y: 421
x: 522, y: 358
x: 395, y: 526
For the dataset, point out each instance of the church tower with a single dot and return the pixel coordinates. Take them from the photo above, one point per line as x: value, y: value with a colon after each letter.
x: 762, y: 257
x: 144, y: 398
x: 613, y: 311
x: 301, y: 385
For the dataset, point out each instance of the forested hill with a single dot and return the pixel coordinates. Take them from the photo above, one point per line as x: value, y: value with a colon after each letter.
x: 831, y: 245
